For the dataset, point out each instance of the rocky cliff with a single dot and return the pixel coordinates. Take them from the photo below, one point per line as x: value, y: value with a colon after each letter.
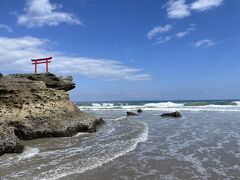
x: 36, y: 106
x: 50, y: 80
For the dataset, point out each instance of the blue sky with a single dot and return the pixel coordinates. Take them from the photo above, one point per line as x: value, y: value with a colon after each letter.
x: 128, y: 49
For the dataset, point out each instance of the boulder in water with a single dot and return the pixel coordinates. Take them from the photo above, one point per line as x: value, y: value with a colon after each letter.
x: 173, y: 114
x: 131, y: 113
x: 139, y: 110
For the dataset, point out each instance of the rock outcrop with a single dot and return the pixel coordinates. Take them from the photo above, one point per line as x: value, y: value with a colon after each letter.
x: 131, y: 113
x: 9, y: 142
x: 173, y: 114
x: 37, y: 106
x: 50, y: 80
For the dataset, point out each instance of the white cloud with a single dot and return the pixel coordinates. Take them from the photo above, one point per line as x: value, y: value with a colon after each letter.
x: 162, y: 40
x: 181, y: 34
x: 177, y: 9
x: 42, y: 12
x: 5, y: 27
x: 158, y: 30
x: 17, y: 52
x: 202, y: 5
x: 188, y: 31
x: 205, y: 43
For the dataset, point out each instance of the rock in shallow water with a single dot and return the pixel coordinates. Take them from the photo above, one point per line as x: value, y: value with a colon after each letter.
x: 174, y: 114
x: 37, y: 108
x: 131, y: 113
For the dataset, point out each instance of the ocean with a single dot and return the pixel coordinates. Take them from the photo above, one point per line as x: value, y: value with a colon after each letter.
x: 203, y: 144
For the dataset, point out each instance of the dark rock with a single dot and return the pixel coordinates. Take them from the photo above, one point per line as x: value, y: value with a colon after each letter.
x: 9, y: 142
x: 131, y: 114
x: 30, y: 110
x: 97, y: 123
x: 51, y: 80
x: 174, y: 114
x: 139, y: 110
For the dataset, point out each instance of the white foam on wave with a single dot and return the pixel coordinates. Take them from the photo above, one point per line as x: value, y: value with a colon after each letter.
x: 98, y: 161
x: 102, y: 104
x: 195, y: 109
x: 214, y: 108
x: 163, y: 104
x: 81, y: 134
x: 28, y: 153
x: 196, y: 163
x: 237, y: 102
x: 96, y: 105
x: 119, y: 118
x: 181, y: 107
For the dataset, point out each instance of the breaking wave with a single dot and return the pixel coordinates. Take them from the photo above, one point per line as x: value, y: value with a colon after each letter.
x: 28, y: 153
x: 222, y: 106
x: 164, y: 104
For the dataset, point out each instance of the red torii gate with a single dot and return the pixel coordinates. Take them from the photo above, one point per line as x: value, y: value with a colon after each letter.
x: 41, y: 61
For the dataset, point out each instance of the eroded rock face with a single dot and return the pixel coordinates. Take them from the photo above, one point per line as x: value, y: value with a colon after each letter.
x: 35, y: 108
x: 9, y: 142
x: 51, y: 80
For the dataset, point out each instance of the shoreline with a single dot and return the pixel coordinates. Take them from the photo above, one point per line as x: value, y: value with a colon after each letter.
x: 38, y: 106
